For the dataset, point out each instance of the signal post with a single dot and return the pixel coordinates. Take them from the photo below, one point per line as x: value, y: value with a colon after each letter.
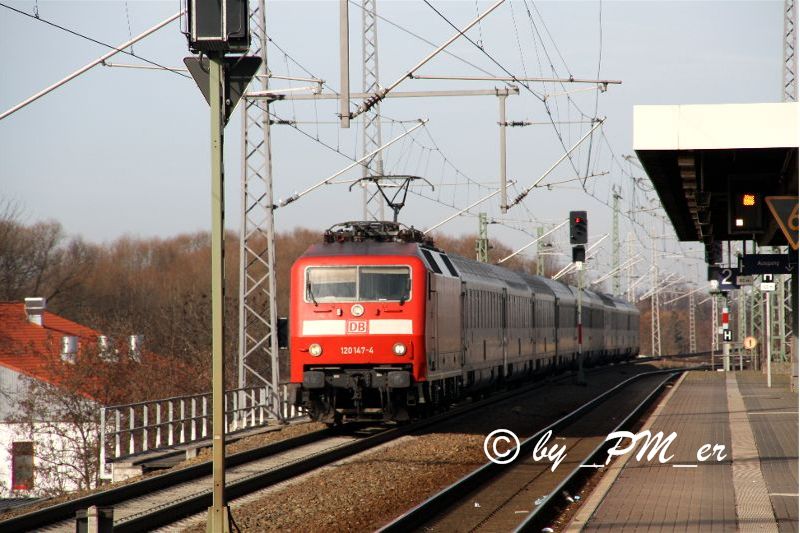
x: 578, y: 236
x: 214, y: 30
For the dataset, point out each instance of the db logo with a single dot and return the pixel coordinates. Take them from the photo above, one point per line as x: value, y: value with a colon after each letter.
x: 356, y: 326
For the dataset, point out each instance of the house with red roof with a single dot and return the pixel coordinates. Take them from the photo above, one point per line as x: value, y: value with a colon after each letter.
x: 38, y: 347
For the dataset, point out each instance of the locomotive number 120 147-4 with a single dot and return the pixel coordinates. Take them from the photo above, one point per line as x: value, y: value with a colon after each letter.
x: 356, y: 350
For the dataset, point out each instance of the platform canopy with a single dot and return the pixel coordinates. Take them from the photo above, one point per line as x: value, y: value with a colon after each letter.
x: 699, y: 156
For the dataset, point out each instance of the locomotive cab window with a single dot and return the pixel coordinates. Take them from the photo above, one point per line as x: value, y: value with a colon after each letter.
x: 383, y: 283
x: 358, y: 283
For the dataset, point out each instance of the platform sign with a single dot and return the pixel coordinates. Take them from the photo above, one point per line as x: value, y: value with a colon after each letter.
x: 750, y: 343
x: 784, y: 209
x: 767, y: 264
x: 724, y: 276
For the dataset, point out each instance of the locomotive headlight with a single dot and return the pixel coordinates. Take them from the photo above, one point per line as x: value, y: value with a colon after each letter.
x: 357, y: 310
x: 315, y: 350
x: 399, y: 348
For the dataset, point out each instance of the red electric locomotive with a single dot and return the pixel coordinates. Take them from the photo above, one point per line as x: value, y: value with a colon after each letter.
x: 382, y: 324
x: 357, y: 322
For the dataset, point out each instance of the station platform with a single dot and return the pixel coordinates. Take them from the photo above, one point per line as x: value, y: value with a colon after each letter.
x: 753, y: 488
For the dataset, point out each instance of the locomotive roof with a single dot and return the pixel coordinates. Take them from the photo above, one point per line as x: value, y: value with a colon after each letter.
x: 363, y: 248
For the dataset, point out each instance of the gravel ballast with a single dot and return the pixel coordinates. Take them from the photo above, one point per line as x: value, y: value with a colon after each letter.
x: 369, y: 490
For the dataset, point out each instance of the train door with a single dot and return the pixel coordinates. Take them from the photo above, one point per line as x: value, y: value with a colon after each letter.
x: 554, y: 329
x: 504, y: 333
x: 534, y: 325
x: 431, y: 325
x: 464, y: 317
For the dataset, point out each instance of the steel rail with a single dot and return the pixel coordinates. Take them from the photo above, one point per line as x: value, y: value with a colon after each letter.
x: 550, y: 506
x: 200, y: 501
x: 66, y: 510
x: 445, y: 498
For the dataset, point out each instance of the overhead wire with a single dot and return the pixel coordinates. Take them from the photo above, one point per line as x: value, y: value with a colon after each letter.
x: 413, y: 140
x: 91, y: 39
x: 426, y: 41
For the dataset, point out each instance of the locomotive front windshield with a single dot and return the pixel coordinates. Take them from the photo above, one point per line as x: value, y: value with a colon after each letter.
x: 358, y: 284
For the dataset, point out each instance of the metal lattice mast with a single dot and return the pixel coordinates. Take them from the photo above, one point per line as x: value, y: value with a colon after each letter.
x: 692, y: 324
x: 258, y: 332
x: 785, y: 292
x: 482, y: 243
x: 782, y: 328
x: 539, y: 250
x: 789, y: 92
x: 775, y: 327
x: 741, y: 313
x: 757, y: 318
x: 373, y: 201
x: 757, y: 315
x: 615, y: 287
x: 629, y: 270
x: 714, y: 325
x: 655, y: 315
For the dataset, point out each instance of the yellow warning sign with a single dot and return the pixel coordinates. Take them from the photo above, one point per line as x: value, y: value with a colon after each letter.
x: 750, y: 343
x: 784, y: 209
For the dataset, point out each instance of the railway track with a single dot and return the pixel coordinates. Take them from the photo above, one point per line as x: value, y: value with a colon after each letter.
x: 168, y: 498
x: 526, y: 495
x: 164, y: 499
x: 57, y: 516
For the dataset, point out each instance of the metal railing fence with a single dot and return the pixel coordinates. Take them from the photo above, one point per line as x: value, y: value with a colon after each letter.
x: 131, y: 429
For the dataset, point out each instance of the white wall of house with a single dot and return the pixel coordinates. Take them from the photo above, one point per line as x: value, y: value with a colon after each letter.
x: 13, y: 385
x: 55, y: 447
x: 46, y: 448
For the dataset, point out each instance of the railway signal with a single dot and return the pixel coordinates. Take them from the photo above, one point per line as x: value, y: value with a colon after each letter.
x: 578, y: 230
x: 215, y: 29
x: 746, y: 212
x: 579, y: 254
x: 578, y: 236
x: 218, y: 27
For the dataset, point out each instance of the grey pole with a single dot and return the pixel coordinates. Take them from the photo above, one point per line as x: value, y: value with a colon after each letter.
x: 581, y: 374
x: 726, y: 356
x: 768, y: 342
x: 218, y: 513
x: 503, y: 192
x: 344, y: 63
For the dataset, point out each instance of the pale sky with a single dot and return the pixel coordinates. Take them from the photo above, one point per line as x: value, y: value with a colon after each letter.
x: 121, y: 151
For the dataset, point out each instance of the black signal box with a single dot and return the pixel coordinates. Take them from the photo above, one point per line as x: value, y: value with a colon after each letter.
x: 578, y: 254
x: 746, y: 212
x: 218, y: 26
x: 578, y: 230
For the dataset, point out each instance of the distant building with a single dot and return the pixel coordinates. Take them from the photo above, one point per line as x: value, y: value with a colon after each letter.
x: 37, y: 346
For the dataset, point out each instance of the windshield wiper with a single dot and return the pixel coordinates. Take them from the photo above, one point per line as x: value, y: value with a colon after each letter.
x: 311, y: 293
x: 405, y: 295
